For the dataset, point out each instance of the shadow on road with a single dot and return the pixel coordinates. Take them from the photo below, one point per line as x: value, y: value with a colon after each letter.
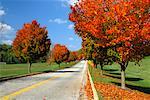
x: 32, y: 74
x: 59, y: 71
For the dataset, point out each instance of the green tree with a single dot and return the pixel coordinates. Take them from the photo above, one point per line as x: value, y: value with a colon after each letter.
x: 7, y: 55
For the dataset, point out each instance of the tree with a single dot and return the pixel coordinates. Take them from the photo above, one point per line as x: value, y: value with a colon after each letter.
x: 7, y: 55
x: 31, y: 42
x: 80, y: 55
x: 122, y: 26
x: 60, y: 53
x: 96, y: 53
x: 73, y: 56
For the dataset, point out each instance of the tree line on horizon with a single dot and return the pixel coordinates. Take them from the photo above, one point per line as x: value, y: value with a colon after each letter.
x: 7, y: 56
x: 33, y: 45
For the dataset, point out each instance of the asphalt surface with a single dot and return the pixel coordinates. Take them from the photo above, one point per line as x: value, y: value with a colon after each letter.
x: 61, y: 85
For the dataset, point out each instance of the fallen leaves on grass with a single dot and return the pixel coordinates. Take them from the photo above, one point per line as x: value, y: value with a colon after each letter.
x: 112, y: 92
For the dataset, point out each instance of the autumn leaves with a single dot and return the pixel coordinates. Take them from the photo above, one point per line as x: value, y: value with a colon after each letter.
x: 119, y: 27
x: 111, y: 31
x: 32, y: 43
x: 60, y: 53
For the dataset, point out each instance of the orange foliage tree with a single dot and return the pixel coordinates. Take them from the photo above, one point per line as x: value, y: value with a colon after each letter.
x: 123, y: 26
x: 73, y: 56
x: 31, y: 42
x: 60, y: 53
x: 80, y: 55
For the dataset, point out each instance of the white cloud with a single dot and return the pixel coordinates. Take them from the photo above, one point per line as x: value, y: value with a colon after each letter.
x: 9, y: 42
x: 70, y: 26
x: 58, y: 21
x: 7, y: 33
x: 2, y: 12
x: 71, y: 38
x: 69, y: 2
x: 5, y: 28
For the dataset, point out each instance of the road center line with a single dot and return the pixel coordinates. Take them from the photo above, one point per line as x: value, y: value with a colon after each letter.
x: 7, y: 97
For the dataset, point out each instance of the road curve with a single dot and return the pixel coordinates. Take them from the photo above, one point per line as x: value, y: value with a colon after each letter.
x: 61, y: 85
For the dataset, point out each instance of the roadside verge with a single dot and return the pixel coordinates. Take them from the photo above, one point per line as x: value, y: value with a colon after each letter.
x: 95, y: 95
x: 35, y: 73
x: 87, y: 91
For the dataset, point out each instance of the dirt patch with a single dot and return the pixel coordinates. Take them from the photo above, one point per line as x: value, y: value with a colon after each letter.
x: 112, y: 92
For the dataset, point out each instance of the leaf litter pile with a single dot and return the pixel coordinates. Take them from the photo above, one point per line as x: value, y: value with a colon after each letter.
x: 88, y: 89
x: 112, y: 92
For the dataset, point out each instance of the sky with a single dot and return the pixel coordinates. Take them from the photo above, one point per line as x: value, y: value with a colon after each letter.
x: 50, y: 13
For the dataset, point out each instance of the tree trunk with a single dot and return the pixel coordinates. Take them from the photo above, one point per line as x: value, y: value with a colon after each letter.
x: 122, y: 79
x: 95, y: 65
x: 101, y: 70
x: 123, y: 68
x: 29, y: 66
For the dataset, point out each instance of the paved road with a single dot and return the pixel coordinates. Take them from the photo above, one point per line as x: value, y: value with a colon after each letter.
x: 61, y: 85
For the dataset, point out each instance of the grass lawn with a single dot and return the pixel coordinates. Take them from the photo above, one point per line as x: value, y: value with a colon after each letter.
x: 11, y: 70
x: 137, y: 78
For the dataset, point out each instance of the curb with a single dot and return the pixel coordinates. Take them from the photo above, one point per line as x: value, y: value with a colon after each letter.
x: 93, y: 88
x: 82, y: 95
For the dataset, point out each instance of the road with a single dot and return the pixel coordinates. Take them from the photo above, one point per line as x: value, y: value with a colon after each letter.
x: 61, y: 85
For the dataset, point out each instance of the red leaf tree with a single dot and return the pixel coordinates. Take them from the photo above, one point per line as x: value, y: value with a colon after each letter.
x: 60, y: 53
x: 80, y: 54
x: 73, y: 56
x: 31, y: 42
x: 123, y: 26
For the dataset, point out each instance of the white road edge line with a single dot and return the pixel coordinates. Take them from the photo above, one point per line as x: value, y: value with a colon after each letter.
x: 92, y: 85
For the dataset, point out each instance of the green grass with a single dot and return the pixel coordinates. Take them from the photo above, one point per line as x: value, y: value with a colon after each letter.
x: 137, y: 78
x: 12, y: 70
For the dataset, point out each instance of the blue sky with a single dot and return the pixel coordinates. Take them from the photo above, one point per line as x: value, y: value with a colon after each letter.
x: 50, y: 13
